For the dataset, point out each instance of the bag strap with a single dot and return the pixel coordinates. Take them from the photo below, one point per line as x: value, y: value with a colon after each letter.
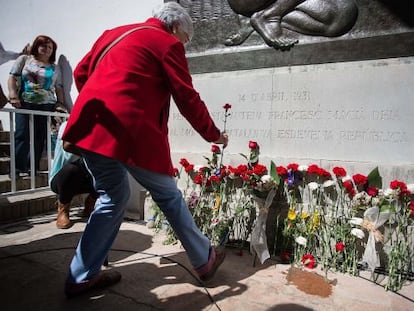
x: 119, y: 39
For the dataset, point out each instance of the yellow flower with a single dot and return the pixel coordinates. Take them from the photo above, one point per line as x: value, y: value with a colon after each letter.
x: 304, y: 215
x: 315, y: 221
x: 217, y: 203
x: 291, y: 214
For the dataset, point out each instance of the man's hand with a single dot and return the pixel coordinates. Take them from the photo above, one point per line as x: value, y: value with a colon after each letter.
x: 224, y: 139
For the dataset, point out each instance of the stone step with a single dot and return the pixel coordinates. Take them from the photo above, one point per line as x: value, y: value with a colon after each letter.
x: 18, y: 206
x: 23, y: 183
x: 4, y: 137
x: 5, y: 165
x: 22, y: 205
x: 4, y: 149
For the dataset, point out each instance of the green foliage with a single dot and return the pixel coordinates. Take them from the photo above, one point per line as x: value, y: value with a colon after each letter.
x: 375, y: 179
x: 273, y: 173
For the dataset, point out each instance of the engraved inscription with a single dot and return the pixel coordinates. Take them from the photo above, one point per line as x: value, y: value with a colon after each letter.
x: 262, y: 97
x: 301, y: 95
x: 290, y: 116
x: 295, y: 115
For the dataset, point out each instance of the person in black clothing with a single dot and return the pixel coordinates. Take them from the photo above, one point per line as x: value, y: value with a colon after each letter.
x: 68, y: 178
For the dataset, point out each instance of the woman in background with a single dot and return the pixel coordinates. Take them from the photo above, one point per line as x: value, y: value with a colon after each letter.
x: 34, y: 83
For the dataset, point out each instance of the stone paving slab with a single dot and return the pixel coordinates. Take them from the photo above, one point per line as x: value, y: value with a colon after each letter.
x: 34, y: 258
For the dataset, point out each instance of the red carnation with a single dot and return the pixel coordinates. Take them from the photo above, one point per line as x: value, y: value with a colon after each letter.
x: 184, y: 162
x: 198, y: 179
x: 372, y: 191
x: 253, y: 145
x: 339, y: 171
x: 189, y: 168
x: 396, y: 184
x: 176, y: 172
x: 293, y: 166
x: 285, y: 257
x: 404, y: 192
x: 281, y: 170
x: 242, y: 168
x: 411, y: 208
x: 204, y: 170
x: 340, y: 246
x: 323, y: 173
x: 359, y: 179
x: 349, y: 188
x: 308, y: 261
x: 227, y: 106
x: 244, y: 177
x: 214, y: 179
x: 259, y: 169
x: 215, y: 149
x: 313, y: 169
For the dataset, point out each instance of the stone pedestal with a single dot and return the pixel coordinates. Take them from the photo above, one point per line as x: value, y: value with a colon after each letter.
x: 135, y: 205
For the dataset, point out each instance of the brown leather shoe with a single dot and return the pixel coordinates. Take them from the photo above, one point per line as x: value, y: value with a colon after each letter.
x: 207, y: 272
x: 103, y: 279
x: 62, y: 220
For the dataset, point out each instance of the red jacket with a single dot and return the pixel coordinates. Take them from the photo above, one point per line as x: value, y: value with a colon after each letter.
x: 123, y: 105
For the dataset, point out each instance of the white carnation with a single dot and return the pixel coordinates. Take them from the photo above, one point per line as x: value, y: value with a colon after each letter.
x: 303, y: 168
x: 313, y: 185
x: 328, y: 183
x: 361, y: 199
x: 356, y: 221
x: 301, y: 240
x: 358, y: 233
x: 266, y: 178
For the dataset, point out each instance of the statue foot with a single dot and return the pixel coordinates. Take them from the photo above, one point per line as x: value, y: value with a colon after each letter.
x: 282, y: 44
x: 238, y: 38
x: 271, y: 31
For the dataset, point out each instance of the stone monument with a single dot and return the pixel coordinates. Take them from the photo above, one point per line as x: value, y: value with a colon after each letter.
x: 332, y: 90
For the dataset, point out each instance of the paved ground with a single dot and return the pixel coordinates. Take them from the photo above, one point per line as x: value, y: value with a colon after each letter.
x: 34, y: 257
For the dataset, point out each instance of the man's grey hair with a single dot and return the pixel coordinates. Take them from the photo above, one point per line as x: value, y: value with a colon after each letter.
x: 171, y: 13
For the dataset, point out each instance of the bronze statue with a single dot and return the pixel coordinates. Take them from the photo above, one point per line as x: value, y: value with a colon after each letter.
x: 270, y: 19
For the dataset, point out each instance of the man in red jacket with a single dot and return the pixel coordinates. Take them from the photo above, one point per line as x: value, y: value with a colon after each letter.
x: 119, y: 123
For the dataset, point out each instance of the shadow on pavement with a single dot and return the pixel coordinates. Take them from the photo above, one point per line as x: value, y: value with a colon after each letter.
x: 33, y: 276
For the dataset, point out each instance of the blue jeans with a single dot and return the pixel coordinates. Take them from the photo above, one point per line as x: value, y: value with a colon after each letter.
x: 111, y: 183
x: 22, y: 136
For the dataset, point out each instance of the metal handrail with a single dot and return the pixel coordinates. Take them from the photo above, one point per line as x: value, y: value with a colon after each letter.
x: 12, y: 112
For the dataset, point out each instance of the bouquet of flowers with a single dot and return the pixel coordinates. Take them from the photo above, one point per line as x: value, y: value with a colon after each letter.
x: 332, y: 220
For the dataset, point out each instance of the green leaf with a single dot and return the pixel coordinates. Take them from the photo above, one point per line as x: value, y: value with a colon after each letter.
x: 387, y: 207
x: 254, y: 159
x: 375, y: 179
x: 244, y: 156
x: 254, y: 155
x: 273, y: 173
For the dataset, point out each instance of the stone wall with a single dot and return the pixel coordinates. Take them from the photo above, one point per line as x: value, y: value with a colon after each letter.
x: 330, y: 101
x: 383, y: 29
